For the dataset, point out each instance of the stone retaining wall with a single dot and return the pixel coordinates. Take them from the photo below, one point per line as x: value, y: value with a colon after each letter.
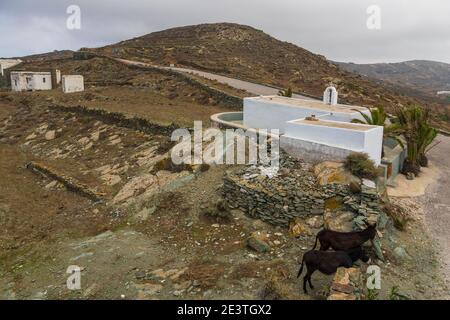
x: 70, y: 183
x: 279, y: 200
x: 119, y: 119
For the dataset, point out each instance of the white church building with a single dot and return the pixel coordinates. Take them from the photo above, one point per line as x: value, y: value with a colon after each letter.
x: 310, y: 129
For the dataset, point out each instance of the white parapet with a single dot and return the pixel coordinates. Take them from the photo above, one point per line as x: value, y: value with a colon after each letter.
x: 334, y: 139
x: 272, y: 112
x: 72, y: 83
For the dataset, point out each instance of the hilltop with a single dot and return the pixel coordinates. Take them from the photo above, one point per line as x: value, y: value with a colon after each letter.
x: 247, y: 53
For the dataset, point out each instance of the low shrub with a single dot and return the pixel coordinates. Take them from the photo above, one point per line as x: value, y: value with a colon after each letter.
x: 361, y: 166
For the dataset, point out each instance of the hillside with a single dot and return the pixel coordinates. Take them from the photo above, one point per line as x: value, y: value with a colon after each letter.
x: 245, y: 52
x: 426, y: 77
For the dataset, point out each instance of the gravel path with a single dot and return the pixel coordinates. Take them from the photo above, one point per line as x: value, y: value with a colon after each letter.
x: 437, y: 202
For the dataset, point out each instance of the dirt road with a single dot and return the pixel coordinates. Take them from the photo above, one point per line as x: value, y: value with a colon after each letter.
x: 253, y: 88
x: 437, y: 202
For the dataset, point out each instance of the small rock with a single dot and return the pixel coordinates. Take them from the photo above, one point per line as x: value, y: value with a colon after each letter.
x: 178, y: 293
x: 183, y: 285
x: 140, y: 275
x: 96, y: 136
x: 354, y: 187
x: 31, y: 136
x: 257, y: 242
x: 298, y: 228
x: 400, y: 253
x: 51, y: 185
x: 410, y: 176
x: 84, y: 141
x: 341, y: 296
x: 341, y: 221
x: 315, y: 222
x: 369, y: 183
x: 88, y: 146
x: 149, y: 289
x: 91, y: 290
x: 377, y: 248
x: 50, y: 135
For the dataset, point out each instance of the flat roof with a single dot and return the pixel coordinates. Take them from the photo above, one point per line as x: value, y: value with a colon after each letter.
x: 309, y: 104
x: 336, y: 124
x: 31, y: 72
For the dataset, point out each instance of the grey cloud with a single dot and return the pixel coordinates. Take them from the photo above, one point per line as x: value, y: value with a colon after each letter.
x: 411, y: 29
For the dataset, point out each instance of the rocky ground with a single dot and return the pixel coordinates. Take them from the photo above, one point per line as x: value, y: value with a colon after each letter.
x: 155, y: 232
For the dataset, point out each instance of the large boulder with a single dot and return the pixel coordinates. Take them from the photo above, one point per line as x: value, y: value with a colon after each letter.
x: 329, y: 172
x: 341, y: 221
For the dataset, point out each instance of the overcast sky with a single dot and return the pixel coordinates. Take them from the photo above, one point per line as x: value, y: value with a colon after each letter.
x: 410, y: 29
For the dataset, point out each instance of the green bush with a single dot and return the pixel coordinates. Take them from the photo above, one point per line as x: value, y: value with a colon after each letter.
x: 361, y: 166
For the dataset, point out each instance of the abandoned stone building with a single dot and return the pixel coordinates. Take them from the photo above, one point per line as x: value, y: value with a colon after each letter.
x: 30, y: 81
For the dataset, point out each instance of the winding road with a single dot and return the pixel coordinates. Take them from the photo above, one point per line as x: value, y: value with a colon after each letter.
x: 250, y: 87
x: 436, y: 201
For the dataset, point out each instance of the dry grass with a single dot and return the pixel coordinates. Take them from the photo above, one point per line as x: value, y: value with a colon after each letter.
x: 207, y: 273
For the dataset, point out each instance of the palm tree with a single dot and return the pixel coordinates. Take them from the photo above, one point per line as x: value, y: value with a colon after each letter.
x: 426, y: 136
x: 378, y: 117
x: 285, y: 93
x: 414, y: 126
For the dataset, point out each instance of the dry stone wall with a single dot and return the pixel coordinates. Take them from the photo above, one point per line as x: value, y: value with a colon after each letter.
x: 296, y: 193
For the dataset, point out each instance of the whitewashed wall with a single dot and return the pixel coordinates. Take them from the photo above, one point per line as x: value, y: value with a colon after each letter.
x: 374, y: 143
x: 264, y: 115
x: 368, y: 141
x: 344, y: 117
x: 26, y: 81
x: 72, y: 83
x: 8, y: 63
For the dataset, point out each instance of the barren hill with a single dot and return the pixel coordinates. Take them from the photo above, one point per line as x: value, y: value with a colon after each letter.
x: 242, y: 51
